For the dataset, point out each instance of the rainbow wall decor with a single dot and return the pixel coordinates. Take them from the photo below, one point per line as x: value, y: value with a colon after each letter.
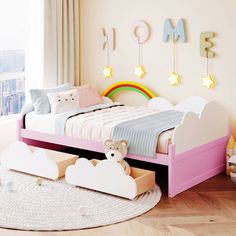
x: 127, y: 85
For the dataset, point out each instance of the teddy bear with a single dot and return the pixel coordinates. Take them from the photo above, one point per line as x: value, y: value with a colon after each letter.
x: 116, y: 150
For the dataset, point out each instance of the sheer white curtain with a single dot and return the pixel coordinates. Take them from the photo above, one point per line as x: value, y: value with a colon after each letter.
x: 52, y: 55
x: 34, y: 49
x: 61, y: 57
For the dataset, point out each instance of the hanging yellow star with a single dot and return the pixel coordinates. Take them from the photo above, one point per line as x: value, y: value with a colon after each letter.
x: 107, y: 71
x: 209, y: 81
x: 139, y: 71
x: 174, y: 78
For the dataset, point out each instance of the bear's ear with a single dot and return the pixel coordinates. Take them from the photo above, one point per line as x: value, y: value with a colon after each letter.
x: 124, y: 142
x: 107, y: 142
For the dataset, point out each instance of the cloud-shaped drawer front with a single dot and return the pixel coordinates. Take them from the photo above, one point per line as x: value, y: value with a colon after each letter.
x: 106, y: 176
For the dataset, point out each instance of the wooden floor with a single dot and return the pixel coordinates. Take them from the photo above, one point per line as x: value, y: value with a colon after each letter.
x: 207, y: 209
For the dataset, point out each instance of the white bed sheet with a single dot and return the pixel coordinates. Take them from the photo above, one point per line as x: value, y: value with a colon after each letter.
x: 97, y: 125
x: 44, y: 123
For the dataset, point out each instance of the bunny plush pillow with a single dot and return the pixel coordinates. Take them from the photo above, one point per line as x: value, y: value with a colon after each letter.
x: 64, y: 101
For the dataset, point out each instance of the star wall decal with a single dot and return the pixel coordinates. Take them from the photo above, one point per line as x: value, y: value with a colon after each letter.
x: 209, y: 81
x: 174, y: 78
x: 107, y: 72
x: 139, y: 71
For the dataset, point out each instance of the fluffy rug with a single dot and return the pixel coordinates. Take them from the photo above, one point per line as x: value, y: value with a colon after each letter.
x: 55, y: 205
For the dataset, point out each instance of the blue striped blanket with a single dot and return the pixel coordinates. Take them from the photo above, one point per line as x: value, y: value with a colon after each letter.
x: 143, y: 133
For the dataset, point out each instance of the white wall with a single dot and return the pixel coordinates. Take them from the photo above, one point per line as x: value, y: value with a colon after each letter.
x: 200, y: 15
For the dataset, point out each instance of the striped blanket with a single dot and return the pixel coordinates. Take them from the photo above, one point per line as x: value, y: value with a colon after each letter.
x: 143, y: 133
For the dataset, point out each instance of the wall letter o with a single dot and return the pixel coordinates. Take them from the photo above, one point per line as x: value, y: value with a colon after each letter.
x: 144, y: 32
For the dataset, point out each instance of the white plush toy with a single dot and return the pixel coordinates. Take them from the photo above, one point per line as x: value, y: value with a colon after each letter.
x: 232, y: 168
x: 117, y: 151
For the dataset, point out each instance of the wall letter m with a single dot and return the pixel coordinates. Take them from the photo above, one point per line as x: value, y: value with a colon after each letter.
x: 174, y: 33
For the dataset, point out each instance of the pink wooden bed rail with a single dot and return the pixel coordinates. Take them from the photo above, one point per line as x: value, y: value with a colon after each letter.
x: 184, y: 170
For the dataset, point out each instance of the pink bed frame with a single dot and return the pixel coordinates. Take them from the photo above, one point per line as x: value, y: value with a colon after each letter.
x: 184, y: 170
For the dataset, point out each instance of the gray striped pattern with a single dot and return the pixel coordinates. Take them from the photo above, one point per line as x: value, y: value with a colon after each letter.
x: 63, y: 117
x: 143, y: 133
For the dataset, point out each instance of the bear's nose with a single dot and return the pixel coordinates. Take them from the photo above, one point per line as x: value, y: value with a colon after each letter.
x: 112, y: 154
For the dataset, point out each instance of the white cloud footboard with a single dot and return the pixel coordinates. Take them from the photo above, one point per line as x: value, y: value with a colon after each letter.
x: 203, y: 122
x: 212, y: 123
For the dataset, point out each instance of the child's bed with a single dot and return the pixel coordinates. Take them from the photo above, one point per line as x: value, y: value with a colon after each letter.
x: 193, y: 151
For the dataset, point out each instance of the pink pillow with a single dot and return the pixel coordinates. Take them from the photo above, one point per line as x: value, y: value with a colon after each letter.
x: 89, y: 97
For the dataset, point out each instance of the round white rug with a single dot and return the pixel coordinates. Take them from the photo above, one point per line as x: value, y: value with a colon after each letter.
x: 58, y: 206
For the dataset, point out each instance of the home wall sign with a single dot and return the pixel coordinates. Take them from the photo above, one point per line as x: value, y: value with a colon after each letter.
x: 140, y: 32
x: 174, y: 33
x: 206, y: 52
x: 108, y: 43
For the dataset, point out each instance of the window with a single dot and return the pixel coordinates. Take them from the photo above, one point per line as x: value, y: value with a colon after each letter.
x: 12, y: 82
x: 13, y: 24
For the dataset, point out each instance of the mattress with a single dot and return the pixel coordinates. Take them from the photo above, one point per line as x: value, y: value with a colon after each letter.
x: 44, y: 123
x: 96, y: 126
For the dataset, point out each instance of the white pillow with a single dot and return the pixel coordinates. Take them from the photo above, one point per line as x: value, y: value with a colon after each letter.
x: 64, y: 101
x: 80, y: 87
